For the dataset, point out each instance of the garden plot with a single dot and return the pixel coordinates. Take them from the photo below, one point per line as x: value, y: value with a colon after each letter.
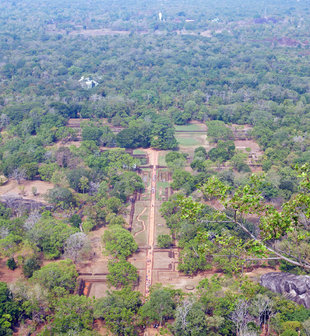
x: 161, y: 227
x: 162, y: 260
x: 141, y: 222
x: 189, y: 141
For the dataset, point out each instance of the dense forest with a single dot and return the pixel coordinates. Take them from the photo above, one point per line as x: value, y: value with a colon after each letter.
x: 96, y: 99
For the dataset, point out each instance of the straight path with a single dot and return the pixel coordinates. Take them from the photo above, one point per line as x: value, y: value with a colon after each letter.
x: 153, y: 160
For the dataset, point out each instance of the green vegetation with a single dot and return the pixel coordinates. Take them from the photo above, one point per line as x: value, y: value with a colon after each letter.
x: 83, y: 84
x: 119, y: 242
x: 164, y: 241
x: 187, y: 141
x: 9, y: 310
x: 122, y: 273
x: 56, y: 276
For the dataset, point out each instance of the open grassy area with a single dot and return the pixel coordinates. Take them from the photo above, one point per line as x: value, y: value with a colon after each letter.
x: 138, y: 152
x: 190, y: 127
x: 160, y: 190
x: 141, y: 223
x: 186, y: 139
x: 161, y: 227
x: 162, y: 158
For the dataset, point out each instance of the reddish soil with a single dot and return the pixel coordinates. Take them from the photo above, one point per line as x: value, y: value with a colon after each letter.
x: 8, y: 276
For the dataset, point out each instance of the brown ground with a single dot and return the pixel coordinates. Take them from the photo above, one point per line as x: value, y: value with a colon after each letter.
x: 153, y: 160
x: 243, y: 144
x: 6, y: 275
x: 98, y: 262
x: 13, y: 188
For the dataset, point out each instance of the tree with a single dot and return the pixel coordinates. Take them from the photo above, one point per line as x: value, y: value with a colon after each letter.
x: 11, y: 264
x: 78, y: 179
x: 162, y: 135
x: 77, y: 247
x: 73, y: 315
x: 49, y: 235
x: 126, y: 184
x: 18, y: 174
x: 34, y: 298
x: 107, y: 138
x: 183, y: 180
x: 190, y: 319
x: 306, y: 327
x: 122, y: 273
x: 193, y: 258
x: 175, y: 160
x: 224, y: 151
x: 134, y: 137
x: 275, y: 224
x: 119, y: 242
x: 9, y: 310
x: 217, y: 130
x: 238, y: 161
x: 91, y: 132
x: 84, y: 183
x: 159, y: 306
x: 164, y: 241
x: 30, y: 265
x: 75, y: 220
x: 118, y: 310
x: 61, y: 197
x: 60, y: 274
x: 241, y: 318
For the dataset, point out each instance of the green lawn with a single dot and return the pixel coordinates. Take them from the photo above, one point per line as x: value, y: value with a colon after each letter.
x: 138, y: 152
x: 162, y: 158
x: 187, y: 140
x: 161, y: 227
x: 189, y: 127
x: 160, y: 189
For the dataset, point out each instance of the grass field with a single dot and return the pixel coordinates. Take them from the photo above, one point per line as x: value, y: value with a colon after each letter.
x: 138, y: 152
x: 139, y: 230
x: 190, y: 127
x: 160, y: 189
x: 187, y: 140
x: 161, y: 158
x: 161, y: 227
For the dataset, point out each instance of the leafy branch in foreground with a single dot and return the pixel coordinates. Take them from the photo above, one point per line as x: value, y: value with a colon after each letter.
x: 275, y: 226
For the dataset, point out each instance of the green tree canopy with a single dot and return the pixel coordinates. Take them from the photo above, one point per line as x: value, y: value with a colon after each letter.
x: 119, y: 242
x: 122, y: 273
x: 60, y: 274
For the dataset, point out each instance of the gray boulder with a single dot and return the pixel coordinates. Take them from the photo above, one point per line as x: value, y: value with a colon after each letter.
x: 293, y: 287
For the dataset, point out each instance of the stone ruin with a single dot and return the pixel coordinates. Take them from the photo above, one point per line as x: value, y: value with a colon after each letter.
x: 21, y: 205
x: 293, y: 287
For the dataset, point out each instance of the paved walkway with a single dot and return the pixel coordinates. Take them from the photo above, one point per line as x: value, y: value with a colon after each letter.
x: 153, y: 159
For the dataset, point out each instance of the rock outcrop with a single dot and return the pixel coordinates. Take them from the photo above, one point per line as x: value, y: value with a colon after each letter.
x: 293, y: 287
x: 19, y: 204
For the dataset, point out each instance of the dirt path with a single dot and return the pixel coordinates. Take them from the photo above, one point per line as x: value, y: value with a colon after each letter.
x: 153, y: 160
x: 142, y: 221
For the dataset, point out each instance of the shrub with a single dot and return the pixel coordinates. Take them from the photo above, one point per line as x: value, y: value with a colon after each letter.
x: 30, y: 265
x: 75, y: 220
x: 164, y: 241
x: 11, y: 264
